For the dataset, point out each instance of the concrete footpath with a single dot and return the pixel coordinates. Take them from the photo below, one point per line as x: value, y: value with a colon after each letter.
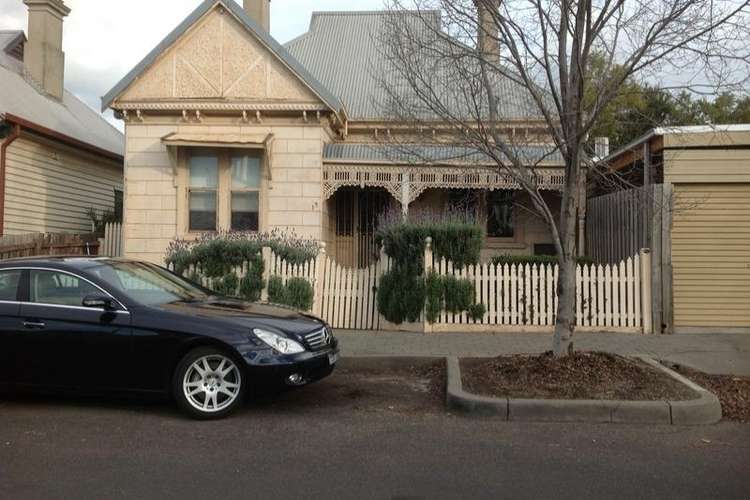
x: 711, y: 353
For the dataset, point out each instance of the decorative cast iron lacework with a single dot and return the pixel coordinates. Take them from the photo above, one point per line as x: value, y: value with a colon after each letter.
x: 405, y: 184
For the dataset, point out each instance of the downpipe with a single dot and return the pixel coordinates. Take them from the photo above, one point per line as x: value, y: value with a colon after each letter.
x: 14, y: 134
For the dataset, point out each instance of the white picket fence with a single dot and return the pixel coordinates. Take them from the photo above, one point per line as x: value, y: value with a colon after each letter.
x: 111, y: 244
x: 608, y: 297
x: 613, y: 297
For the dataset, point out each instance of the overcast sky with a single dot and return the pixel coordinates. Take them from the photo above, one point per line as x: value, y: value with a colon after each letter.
x: 104, y: 39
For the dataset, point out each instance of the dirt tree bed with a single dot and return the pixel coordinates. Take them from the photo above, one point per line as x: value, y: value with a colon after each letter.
x: 584, y: 375
x: 733, y: 391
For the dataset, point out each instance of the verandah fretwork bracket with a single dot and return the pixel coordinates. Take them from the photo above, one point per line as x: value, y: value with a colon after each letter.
x: 419, y: 179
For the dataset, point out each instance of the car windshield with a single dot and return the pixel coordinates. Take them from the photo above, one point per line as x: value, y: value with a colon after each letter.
x: 148, y: 284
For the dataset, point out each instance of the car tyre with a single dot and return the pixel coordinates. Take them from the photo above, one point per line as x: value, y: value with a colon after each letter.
x: 208, y: 383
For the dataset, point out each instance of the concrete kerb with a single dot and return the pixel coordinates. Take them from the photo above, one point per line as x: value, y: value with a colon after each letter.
x: 706, y: 409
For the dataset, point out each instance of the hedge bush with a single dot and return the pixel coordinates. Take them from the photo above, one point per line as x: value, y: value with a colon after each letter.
x: 297, y: 293
x: 219, y: 253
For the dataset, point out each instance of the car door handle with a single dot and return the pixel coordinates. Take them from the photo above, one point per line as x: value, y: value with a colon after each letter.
x: 34, y: 324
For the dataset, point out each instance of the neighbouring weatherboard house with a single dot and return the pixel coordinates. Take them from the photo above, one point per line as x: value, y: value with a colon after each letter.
x: 226, y: 129
x: 58, y: 157
x: 695, y: 198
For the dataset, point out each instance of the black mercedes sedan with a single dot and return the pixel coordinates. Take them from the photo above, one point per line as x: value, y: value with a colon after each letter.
x: 112, y: 325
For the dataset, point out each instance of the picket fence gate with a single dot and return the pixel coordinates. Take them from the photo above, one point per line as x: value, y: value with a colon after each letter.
x: 517, y: 297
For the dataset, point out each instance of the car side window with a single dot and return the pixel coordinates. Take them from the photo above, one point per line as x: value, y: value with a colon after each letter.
x: 57, y: 288
x: 9, y: 285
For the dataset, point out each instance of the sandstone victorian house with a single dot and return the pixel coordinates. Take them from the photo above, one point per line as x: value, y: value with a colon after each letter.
x: 226, y: 129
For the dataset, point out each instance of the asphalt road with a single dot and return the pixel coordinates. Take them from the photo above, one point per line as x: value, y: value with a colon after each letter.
x: 356, y: 435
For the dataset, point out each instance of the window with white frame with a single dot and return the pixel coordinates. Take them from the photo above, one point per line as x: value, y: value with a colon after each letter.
x: 203, y: 196
x: 224, y: 190
x: 245, y: 204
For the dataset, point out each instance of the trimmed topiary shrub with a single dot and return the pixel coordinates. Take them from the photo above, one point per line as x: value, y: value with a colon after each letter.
x: 403, y: 292
x: 401, y: 296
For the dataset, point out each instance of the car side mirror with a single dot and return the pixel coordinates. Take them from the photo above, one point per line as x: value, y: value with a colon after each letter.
x: 96, y: 301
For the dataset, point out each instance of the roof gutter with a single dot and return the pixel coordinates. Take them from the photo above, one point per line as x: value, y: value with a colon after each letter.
x: 52, y: 134
x: 14, y: 134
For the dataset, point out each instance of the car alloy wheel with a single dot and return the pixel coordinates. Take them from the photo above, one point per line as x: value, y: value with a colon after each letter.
x: 208, y: 383
x: 212, y: 383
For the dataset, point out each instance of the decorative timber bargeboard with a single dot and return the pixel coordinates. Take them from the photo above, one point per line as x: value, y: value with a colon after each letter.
x: 406, y: 183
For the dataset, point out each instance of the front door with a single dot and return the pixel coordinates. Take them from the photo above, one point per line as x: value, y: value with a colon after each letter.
x: 67, y: 345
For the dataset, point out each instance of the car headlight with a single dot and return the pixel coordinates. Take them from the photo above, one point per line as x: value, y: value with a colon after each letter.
x: 278, y: 342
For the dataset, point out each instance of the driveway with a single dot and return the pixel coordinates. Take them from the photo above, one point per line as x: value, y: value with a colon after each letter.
x: 360, y: 434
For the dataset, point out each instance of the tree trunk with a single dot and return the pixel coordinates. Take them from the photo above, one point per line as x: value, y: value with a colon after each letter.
x: 566, y: 320
x: 562, y: 344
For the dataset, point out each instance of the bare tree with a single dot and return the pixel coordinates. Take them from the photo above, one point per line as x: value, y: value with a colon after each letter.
x: 472, y: 70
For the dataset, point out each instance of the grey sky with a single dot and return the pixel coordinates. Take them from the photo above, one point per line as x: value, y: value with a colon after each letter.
x: 104, y: 39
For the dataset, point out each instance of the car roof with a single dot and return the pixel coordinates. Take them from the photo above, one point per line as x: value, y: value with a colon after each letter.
x: 77, y: 262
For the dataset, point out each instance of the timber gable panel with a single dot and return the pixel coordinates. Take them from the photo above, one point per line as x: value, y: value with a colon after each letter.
x: 218, y: 59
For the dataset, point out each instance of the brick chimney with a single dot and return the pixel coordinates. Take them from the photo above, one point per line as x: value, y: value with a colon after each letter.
x: 260, y: 11
x: 43, y: 55
x: 487, y: 30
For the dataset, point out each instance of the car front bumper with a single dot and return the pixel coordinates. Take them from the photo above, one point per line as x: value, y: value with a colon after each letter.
x: 270, y: 368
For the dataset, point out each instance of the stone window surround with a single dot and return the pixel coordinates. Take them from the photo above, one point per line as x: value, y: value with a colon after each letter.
x: 224, y: 191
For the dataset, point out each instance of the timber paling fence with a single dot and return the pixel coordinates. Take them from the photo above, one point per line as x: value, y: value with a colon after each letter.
x: 518, y: 297
x: 40, y: 244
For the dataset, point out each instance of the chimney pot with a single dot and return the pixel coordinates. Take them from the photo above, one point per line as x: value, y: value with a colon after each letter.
x: 43, y: 55
x: 260, y: 12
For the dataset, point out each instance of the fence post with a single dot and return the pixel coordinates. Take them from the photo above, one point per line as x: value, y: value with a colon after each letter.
x: 266, y: 256
x: 645, y: 262
x: 320, y: 261
x: 428, y: 266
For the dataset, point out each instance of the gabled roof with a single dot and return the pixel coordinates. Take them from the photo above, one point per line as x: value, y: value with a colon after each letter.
x: 347, y: 52
x: 298, y: 69
x: 70, y: 117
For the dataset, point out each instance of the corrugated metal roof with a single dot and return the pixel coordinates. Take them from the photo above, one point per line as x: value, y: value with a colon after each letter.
x: 328, y: 97
x: 346, y: 51
x: 434, y: 153
x: 70, y: 117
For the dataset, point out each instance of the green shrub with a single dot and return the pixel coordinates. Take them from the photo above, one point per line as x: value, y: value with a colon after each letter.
x: 251, y: 287
x: 477, y: 311
x: 401, y: 296
x: 533, y: 259
x: 461, y: 243
x: 217, y: 254
x: 459, y: 294
x: 297, y: 293
x: 227, y: 286
x: 434, y: 293
x: 452, y: 294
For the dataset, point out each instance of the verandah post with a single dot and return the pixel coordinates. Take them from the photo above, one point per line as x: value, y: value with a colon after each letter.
x: 645, y: 263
